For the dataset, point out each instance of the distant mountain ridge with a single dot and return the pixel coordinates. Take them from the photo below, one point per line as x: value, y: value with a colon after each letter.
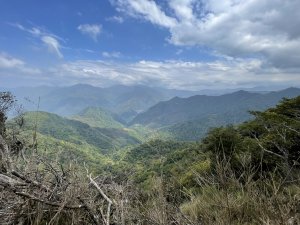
x: 125, y: 101
x: 190, y: 118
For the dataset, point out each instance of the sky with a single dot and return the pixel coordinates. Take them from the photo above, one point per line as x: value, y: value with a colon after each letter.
x: 181, y: 44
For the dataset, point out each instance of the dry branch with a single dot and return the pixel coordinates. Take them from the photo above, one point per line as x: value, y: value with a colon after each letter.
x: 109, y: 201
x: 28, y: 181
x: 47, y: 202
x: 7, y: 181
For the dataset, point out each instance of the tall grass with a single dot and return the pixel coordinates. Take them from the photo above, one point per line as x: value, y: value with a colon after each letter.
x: 228, y: 199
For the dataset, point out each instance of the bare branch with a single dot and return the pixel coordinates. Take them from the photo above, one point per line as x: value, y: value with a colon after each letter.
x: 9, y: 182
x: 15, y: 173
x: 105, y: 197
x: 266, y: 150
x: 47, y: 202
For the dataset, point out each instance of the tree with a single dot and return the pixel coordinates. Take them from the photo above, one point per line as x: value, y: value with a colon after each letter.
x: 277, y: 133
x: 7, y: 101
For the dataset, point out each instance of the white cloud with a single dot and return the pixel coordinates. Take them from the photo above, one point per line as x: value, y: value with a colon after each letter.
x: 224, y: 73
x: 7, y: 61
x: 220, y: 74
x: 92, y: 30
x: 50, y: 40
x: 14, y: 65
x: 264, y: 28
x: 53, y: 45
x: 111, y: 54
x: 147, y: 9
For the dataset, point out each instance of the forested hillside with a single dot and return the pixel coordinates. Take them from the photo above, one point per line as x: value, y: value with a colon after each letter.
x: 191, y: 118
x: 149, y: 112
x: 243, y: 174
x: 65, y: 139
x: 234, y: 107
x: 98, y: 117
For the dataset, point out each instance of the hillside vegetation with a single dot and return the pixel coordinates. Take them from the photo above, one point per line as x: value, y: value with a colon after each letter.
x: 242, y: 174
x: 68, y: 140
x: 190, y: 118
x: 247, y: 174
x: 97, y: 117
x: 76, y: 132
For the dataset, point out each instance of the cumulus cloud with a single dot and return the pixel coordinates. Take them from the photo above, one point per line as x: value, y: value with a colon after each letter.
x: 220, y: 74
x: 145, y: 9
x: 261, y: 28
x: 51, y: 41
x: 223, y: 73
x: 92, y: 30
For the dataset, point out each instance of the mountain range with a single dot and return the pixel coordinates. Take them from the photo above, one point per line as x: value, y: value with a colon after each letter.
x: 137, y: 112
x: 124, y: 101
x: 190, y: 118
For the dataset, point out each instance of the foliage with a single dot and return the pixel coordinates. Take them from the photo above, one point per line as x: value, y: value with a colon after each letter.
x: 242, y: 174
x: 77, y: 132
x: 7, y: 101
x: 190, y: 118
x: 97, y: 117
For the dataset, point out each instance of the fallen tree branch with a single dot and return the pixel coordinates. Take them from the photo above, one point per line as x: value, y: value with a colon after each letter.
x: 7, y: 181
x: 28, y: 181
x: 107, y: 220
x: 47, y: 202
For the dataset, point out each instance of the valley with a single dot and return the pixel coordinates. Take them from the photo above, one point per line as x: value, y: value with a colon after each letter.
x: 170, y: 151
x: 149, y: 112
x: 117, y: 118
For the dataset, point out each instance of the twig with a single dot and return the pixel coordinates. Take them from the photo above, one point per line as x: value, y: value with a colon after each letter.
x: 266, y: 150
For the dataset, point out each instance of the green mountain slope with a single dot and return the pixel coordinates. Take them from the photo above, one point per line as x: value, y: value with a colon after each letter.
x: 98, y: 117
x: 193, y: 130
x: 156, y: 157
x: 190, y: 118
x: 183, y: 160
x: 68, y: 151
x: 76, y: 132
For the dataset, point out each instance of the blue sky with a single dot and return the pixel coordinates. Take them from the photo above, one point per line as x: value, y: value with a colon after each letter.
x: 183, y: 44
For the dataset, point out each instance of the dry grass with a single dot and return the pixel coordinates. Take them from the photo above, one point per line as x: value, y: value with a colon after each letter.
x: 227, y: 199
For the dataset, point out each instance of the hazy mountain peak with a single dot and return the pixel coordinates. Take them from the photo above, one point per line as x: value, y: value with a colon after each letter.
x: 230, y: 108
